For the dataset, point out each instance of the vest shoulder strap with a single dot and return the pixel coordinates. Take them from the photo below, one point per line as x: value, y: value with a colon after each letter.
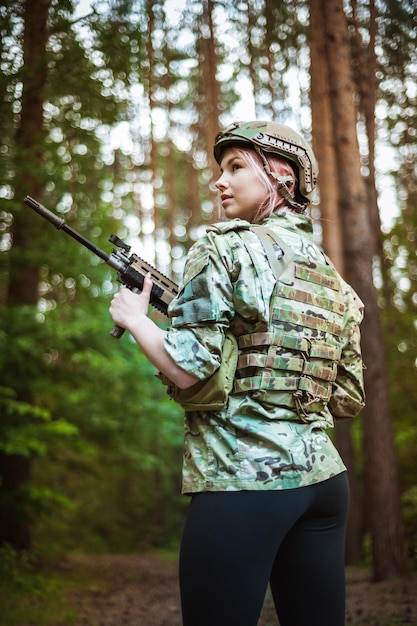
x: 267, y: 237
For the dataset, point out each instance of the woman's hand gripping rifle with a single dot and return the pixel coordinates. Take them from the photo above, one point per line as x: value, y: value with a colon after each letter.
x: 131, y: 269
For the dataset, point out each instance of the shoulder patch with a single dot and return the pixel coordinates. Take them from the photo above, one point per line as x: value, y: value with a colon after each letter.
x: 227, y: 227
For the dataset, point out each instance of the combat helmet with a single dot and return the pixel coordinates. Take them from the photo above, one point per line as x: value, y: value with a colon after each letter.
x: 279, y: 139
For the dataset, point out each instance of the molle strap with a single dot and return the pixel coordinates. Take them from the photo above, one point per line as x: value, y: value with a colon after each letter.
x: 315, y: 349
x: 288, y: 384
x: 273, y: 361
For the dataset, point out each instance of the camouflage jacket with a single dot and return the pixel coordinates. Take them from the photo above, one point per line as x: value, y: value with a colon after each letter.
x: 256, y: 443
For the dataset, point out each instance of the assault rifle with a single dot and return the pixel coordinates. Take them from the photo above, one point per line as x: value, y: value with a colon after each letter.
x: 131, y: 269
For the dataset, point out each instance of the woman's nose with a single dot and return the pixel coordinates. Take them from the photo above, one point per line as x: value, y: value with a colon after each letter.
x: 221, y: 182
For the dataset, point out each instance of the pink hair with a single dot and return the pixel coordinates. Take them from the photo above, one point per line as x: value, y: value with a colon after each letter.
x: 274, y: 200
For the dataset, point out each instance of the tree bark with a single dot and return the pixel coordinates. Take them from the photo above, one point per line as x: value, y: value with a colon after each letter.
x: 332, y: 236
x: 323, y: 140
x: 382, y: 495
x: 367, y: 84
x: 15, y: 527
x: 210, y: 86
x: 253, y: 63
x: 23, y: 284
x: 210, y: 100
x: 15, y: 470
x: 152, y: 143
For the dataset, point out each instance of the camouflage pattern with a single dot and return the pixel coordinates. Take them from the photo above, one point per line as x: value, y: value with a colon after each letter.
x: 264, y: 439
x: 294, y: 365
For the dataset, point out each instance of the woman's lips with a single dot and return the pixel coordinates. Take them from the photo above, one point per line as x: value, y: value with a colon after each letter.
x: 225, y: 197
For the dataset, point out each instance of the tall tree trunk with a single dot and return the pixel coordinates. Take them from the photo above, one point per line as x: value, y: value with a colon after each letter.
x: 323, y: 141
x: 153, y: 144
x: 23, y: 287
x: 366, y: 80
x: 253, y: 63
x: 381, y: 476
x: 209, y: 94
x: 332, y: 235
x: 210, y: 87
x: 15, y: 470
x: 269, y: 37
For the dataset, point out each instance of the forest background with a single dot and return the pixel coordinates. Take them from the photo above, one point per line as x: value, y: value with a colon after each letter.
x: 108, y: 113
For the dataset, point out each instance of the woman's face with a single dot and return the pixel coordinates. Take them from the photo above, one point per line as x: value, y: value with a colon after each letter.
x: 241, y: 191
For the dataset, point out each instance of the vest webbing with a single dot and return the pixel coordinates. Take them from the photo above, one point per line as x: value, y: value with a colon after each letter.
x: 294, y: 362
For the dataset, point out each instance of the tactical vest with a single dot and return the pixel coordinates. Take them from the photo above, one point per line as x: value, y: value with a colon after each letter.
x: 294, y: 362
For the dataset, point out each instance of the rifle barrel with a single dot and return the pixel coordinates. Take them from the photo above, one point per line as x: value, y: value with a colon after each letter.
x: 60, y: 224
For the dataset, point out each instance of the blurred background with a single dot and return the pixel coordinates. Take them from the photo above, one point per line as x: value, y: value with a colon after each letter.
x: 108, y: 114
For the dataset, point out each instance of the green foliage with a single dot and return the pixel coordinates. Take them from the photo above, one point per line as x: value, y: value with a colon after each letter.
x: 35, y: 434
x: 30, y: 594
x: 103, y: 430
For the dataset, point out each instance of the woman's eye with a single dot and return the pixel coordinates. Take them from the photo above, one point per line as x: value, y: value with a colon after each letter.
x: 235, y: 167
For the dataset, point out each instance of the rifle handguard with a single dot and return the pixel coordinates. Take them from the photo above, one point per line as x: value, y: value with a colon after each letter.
x: 131, y: 270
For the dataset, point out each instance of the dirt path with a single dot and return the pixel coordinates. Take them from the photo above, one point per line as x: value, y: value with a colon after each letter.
x: 142, y: 590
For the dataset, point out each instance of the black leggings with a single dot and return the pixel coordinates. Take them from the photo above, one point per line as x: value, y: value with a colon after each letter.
x: 235, y: 542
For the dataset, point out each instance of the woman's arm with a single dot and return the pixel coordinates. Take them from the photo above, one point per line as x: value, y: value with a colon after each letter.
x: 130, y: 310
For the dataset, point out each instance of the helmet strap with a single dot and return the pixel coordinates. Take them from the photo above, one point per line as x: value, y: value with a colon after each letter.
x: 281, y: 184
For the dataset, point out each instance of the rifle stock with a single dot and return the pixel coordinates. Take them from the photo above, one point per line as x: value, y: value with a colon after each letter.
x: 131, y: 269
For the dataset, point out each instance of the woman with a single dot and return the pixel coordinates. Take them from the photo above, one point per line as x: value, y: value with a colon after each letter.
x: 269, y: 492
